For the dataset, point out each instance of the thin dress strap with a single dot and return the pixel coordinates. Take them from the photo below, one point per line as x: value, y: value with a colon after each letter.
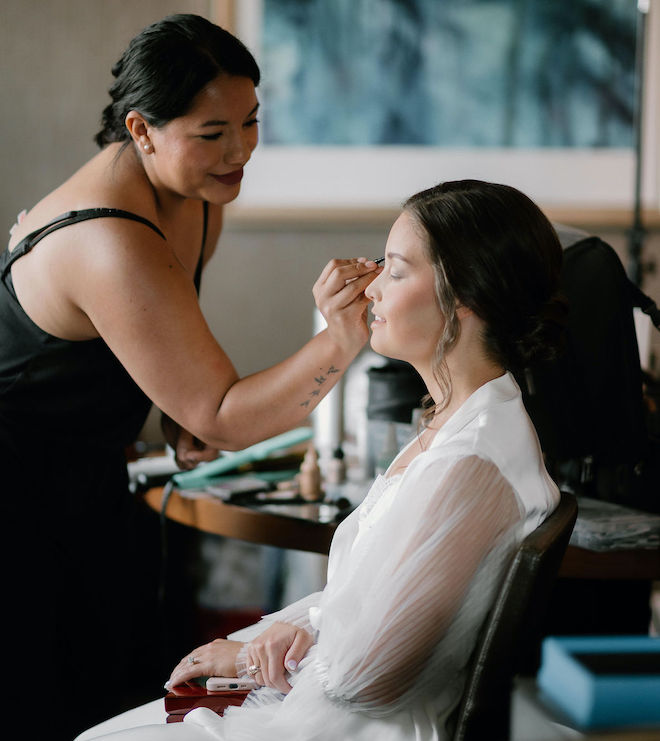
x: 7, y: 259
x: 200, y: 263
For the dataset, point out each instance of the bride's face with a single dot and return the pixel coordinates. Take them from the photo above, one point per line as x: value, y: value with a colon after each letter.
x: 408, y: 323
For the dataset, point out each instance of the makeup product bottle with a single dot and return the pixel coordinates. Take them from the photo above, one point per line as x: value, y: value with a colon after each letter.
x: 335, y: 471
x: 310, y: 476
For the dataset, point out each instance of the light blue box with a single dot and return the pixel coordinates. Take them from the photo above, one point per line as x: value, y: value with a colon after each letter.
x: 603, y: 682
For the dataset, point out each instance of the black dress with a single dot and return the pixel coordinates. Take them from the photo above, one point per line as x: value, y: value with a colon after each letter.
x: 80, y: 552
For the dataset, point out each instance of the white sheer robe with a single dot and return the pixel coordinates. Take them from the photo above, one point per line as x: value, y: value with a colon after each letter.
x: 412, y: 573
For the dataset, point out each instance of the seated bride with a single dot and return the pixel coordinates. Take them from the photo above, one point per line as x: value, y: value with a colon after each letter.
x: 467, y: 295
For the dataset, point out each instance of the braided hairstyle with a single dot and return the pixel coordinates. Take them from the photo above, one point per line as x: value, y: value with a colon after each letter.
x: 495, y: 252
x: 165, y: 66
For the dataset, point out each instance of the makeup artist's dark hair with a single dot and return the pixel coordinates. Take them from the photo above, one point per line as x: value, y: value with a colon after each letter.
x: 165, y: 66
x: 495, y: 252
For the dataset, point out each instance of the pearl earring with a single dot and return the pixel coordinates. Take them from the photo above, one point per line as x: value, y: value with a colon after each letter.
x: 147, y: 147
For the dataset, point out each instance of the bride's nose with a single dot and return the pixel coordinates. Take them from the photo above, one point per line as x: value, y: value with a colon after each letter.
x: 372, y: 291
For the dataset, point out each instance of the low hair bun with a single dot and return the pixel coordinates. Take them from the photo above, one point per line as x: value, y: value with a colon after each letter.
x: 111, y: 131
x: 546, y: 337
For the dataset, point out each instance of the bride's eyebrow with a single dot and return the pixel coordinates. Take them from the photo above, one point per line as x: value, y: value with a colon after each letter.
x: 397, y: 256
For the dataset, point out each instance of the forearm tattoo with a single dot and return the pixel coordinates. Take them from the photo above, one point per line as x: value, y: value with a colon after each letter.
x: 320, y: 381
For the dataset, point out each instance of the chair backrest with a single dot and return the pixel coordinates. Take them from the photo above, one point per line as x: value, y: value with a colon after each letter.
x: 511, y: 633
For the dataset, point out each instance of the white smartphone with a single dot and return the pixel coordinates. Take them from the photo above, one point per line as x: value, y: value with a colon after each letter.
x: 230, y: 684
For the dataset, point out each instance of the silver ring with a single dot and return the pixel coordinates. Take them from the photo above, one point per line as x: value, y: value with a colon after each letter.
x: 253, y: 669
x: 193, y: 660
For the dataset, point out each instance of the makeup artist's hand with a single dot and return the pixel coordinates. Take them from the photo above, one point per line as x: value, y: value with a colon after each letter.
x: 189, y: 451
x: 339, y: 295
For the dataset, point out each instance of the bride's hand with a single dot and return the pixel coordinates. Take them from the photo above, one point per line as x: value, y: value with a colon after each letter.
x: 215, y: 659
x: 276, y: 652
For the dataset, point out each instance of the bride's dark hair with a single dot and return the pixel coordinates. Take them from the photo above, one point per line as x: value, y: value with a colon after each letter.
x: 495, y: 252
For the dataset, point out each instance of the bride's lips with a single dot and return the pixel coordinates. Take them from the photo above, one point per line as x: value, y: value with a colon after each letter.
x: 377, y: 322
x: 231, y: 178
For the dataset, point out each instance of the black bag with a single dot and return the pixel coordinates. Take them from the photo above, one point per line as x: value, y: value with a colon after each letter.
x: 598, y: 435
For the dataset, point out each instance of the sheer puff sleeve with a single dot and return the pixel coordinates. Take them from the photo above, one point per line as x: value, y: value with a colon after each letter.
x: 398, y: 623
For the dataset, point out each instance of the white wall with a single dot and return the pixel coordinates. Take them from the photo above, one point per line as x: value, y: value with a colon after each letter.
x: 56, y: 61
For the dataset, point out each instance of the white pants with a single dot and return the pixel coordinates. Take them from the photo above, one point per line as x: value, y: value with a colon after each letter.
x: 143, y: 724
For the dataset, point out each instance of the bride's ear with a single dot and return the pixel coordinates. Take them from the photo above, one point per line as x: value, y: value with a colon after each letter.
x: 462, y: 311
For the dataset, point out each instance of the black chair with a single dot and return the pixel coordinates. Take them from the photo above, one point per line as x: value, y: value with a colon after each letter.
x: 510, y: 638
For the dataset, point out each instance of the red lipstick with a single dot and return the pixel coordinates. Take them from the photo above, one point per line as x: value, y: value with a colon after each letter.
x: 231, y: 178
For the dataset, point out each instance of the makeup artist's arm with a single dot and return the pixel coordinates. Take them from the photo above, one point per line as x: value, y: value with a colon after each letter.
x: 142, y: 302
x: 190, y: 451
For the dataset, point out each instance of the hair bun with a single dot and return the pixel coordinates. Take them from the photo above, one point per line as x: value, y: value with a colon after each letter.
x: 546, y: 336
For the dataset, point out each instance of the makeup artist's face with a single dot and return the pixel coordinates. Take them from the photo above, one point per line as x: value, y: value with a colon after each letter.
x: 407, y: 322
x: 202, y: 153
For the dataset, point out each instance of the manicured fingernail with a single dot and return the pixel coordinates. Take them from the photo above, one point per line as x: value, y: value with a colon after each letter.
x: 167, y: 685
x: 291, y: 665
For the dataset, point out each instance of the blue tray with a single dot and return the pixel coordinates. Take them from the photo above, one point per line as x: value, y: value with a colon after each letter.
x: 603, y: 681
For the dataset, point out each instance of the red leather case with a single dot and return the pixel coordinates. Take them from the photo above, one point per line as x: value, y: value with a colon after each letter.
x: 183, y: 699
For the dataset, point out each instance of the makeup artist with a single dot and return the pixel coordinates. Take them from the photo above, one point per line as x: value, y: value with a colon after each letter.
x: 99, y: 318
